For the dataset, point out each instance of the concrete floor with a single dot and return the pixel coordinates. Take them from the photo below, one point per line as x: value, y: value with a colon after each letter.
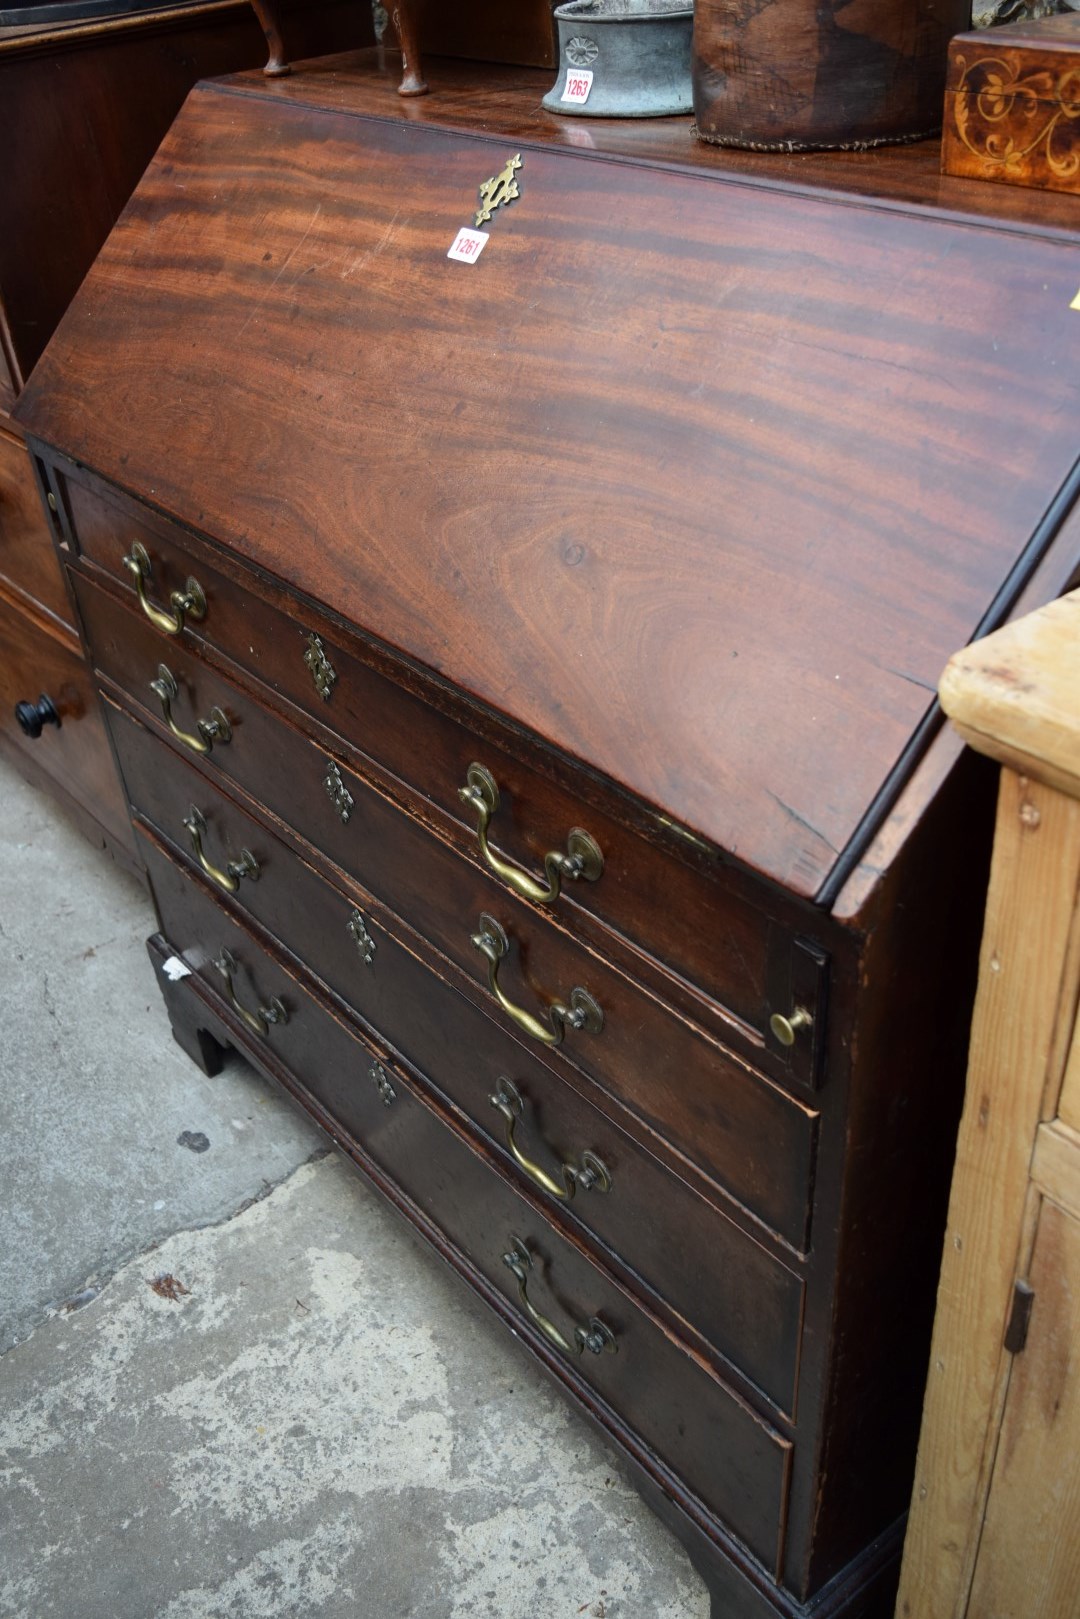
x: 320, y: 1420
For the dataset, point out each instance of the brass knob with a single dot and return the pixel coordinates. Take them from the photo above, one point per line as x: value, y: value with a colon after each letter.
x: 784, y: 1029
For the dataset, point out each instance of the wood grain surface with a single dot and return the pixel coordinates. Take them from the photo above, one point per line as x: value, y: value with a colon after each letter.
x: 1010, y: 104
x: 1024, y: 993
x: 477, y: 98
x: 729, y: 1456
x: 704, y: 484
x: 28, y: 563
x: 1013, y: 694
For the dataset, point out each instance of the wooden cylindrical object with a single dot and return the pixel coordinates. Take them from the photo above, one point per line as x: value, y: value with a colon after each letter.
x: 794, y: 75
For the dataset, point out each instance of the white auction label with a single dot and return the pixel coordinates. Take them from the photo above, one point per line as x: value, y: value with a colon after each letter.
x: 578, y: 84
x: 468, y: 245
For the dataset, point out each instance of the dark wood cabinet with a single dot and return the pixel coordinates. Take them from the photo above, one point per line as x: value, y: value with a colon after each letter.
x: 522, y: 675
x: 82, y: 109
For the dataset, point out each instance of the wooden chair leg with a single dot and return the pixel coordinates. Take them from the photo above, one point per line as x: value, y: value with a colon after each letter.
x: 269, y: 15
x: 412, y: 78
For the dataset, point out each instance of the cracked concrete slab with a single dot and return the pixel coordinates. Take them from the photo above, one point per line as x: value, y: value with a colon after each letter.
x: 94, y: 1093
x: 271, y: 1408
x: 322, y: 1423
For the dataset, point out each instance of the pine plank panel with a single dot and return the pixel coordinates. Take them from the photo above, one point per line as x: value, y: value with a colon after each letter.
x: 1029, y: 1561
x: 1013, y: 695
x: 1069, y: 1106
x: 1056, y: 1165
x: 1033, y: 890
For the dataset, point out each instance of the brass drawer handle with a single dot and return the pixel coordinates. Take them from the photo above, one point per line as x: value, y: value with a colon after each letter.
x: 187, y: 603
x: 593, y: 1174
x: 259, y: 1021
x: 227, y: 877
x: 595, y: 1335
x: 206, y: 733
x: 582, y: 1013
x: 582, y: 857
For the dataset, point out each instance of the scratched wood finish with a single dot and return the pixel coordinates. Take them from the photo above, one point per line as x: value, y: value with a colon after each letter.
x: 352, y: 495
x: 524, y: 461
x: 73, y: 760
x: 741, y: 1299
x: 736, y: 1462
x: 28, y: 562
x: 713, y: 933
x: 473, y: 99
x: 741, y: 1133
x: 81, y: 112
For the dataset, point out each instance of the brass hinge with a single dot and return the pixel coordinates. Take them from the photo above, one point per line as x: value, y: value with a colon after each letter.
x: 1019, y: 1317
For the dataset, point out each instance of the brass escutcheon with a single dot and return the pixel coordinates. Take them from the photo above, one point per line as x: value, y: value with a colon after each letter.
x: 322, y: 670
x: 595, y: 1335
x: 365, y: 944
x: 187, y: 603
x: 582, y: 1013
x: 382, y: 1084
x: 582, y: 859
x: 337, y: 792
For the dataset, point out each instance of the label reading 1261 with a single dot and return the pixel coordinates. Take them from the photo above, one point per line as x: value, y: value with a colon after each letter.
x: 578, y: 84
x: 468, y: 245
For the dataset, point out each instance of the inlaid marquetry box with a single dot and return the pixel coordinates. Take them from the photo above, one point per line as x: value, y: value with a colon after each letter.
x: 1012, y: 104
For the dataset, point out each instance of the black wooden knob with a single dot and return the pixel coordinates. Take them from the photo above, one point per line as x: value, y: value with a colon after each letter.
x: 32, y: 716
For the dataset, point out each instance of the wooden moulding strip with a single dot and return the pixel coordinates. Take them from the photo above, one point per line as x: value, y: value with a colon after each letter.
x: 1056, y: 1166
x: 1026, y: 980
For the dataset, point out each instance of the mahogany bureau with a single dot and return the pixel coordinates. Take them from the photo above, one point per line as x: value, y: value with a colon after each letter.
x: 521, y: 669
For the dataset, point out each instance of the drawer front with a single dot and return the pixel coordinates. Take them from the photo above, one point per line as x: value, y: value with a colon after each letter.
x: 736, y: 1463
x: 695, y: 928
x: 712, y: 1276
x: 737, y: 1129
x: 75, y: 754
x: 27, y: 558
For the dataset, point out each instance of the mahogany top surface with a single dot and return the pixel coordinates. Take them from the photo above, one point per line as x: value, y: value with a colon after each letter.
x: 704, y: 482
x: 490, y: 100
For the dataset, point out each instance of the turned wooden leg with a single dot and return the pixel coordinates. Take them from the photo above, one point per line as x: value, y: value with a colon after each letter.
x: 412, y: 77
x: 269, y: 15
x: 187, y: 1014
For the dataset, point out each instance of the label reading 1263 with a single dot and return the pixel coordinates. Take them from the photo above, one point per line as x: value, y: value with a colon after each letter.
x: 578, y: 84
x: 468, y: 245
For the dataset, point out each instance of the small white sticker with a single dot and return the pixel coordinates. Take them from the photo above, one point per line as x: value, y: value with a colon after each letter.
x: 1076, y: 302
x: 174, y: 969
x: 468, y: 245
x: 577, y: 86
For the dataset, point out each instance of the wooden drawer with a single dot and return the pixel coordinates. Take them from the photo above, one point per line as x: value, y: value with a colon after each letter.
x: 27, y: 559
x: 675, y: 913
x: 740, y: 1131
x: 76, y: 754
x: 713, y: 1277
x: 736, y: 1463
